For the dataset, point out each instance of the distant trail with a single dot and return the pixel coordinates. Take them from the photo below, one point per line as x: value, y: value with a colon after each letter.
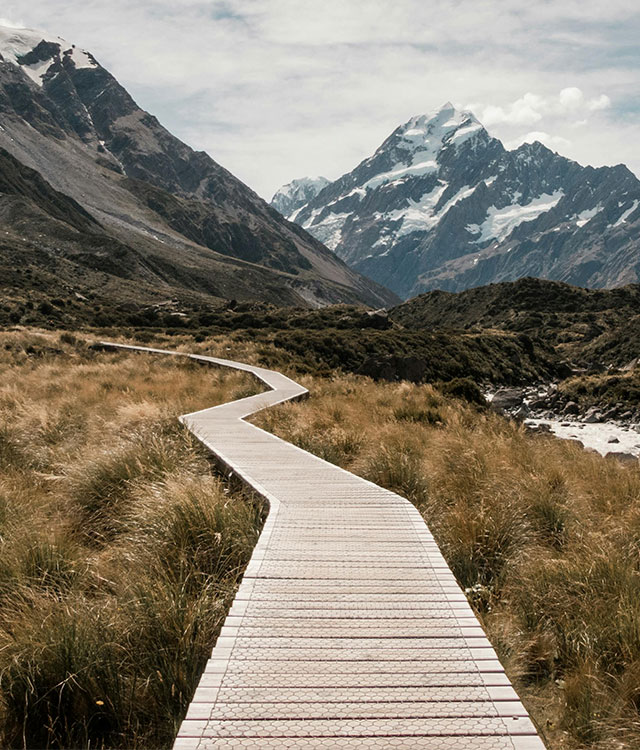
x: 348, y: 629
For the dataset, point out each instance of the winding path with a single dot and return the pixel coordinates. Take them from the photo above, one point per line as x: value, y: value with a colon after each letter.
x: 348, y: 629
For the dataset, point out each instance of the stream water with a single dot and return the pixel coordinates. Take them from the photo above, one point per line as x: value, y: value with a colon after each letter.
x: 604, y: 437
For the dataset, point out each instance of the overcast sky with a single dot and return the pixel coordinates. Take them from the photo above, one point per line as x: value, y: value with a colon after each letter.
x: 277, y: 89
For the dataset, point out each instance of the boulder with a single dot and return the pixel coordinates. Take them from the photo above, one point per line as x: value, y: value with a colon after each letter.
x: 539, y: 403
x: 522, y: 412
x: 595, y: 418
x: 623, y: 457
x: 571, y: 408
x: 613, y: 440
x: 507, y: 398
x: 593, y: 415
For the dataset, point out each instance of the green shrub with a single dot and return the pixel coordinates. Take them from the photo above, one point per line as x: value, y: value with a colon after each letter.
x: 463, y: 388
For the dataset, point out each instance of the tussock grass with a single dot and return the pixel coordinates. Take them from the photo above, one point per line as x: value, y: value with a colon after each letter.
x: 544, y: 537
x: 119, y: 550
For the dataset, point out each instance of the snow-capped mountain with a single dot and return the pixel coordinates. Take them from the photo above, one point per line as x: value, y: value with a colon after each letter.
x: 442, y: 204
x: 36, y: 54
x: 186, y: 219
x: 296, y: 194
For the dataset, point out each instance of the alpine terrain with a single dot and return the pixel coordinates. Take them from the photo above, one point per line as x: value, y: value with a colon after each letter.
x: 442, y: 204
x: 98, y: 197
x: 297, y: 193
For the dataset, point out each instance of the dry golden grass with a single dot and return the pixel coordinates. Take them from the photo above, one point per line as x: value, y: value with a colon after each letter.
x: 114, y: 538
x: 544, y: 537
x: 119, y: 550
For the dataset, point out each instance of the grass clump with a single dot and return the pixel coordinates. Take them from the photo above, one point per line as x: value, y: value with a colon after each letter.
x: 102, y: 486
x: 112, y: 599
x: 606, y: 390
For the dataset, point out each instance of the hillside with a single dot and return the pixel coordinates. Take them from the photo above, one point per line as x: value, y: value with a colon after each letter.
x: 587, y: 326
x: 184, y: 223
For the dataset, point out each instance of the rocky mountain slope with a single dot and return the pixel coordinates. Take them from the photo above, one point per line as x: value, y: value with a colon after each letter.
x: 443, y: 205
x: 189, y: 223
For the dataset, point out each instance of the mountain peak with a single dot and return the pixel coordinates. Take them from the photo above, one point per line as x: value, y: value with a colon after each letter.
x: 35, y: 51
x: 445, y: 126
x: 443, y: 204
x: 16, y: 42
x: 446, y: 118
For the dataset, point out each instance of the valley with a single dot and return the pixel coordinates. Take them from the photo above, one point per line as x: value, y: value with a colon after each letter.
x: 100, y: 199
x: 408, y: 556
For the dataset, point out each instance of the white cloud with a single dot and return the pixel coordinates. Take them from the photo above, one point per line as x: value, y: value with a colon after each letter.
x: 524, y: 111
x: 600, y: 102
x: 561, y: 118
x: 571, y: 97
x: 11, y: 24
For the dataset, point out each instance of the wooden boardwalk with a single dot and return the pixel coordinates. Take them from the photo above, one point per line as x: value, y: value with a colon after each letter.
x: 348, y: 629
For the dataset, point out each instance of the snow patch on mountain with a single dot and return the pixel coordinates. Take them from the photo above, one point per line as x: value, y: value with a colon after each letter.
x: 623, y: 218
x: 81, y: 59
x: 401, y: 172
x: 584, y: 217
x: 463, y: 134
x: 329, y: 230
x: 500, y: 222
x: 17, y: 44
x: 36, y: 70
x: 423, y: 139
x: 295, y: 194
x: 421, y: 215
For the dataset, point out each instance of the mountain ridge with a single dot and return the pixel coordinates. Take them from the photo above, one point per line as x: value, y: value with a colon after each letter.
x: 443, y: 204
x: 69, y: 119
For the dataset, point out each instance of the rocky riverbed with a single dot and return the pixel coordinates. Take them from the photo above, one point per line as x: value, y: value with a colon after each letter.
x: 614, y: 431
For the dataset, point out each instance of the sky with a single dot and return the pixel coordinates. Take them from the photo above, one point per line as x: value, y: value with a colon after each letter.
x: 278, y: 89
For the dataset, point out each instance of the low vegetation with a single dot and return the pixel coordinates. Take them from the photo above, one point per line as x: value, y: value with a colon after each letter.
x: 342, y: 337
x: 590, y: 327
x: 120, y: 550
x: 607, y: 389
